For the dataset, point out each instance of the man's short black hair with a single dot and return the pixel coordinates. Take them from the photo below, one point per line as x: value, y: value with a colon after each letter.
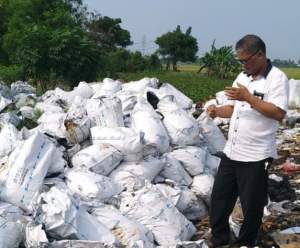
x: 251, y: 43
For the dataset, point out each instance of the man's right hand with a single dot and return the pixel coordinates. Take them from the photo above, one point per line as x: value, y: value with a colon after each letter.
x: 212, y: 111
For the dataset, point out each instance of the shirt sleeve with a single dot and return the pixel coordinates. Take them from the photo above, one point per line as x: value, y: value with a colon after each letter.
x: 279, y: 92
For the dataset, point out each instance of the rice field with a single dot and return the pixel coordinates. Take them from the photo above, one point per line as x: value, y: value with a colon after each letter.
x: 198, y: 87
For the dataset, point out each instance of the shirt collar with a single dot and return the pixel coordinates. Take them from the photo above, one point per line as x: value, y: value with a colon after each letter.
x: 267, y: 71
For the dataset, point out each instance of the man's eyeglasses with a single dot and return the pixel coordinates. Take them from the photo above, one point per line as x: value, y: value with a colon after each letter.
x: 245, y: 61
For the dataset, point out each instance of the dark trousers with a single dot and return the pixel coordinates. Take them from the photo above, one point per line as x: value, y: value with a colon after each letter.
x: 248, y: 181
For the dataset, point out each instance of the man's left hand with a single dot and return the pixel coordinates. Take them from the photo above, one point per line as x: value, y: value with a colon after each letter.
x: 239, y: 93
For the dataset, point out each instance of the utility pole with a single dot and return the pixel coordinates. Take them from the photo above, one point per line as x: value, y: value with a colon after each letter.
x: 144, y: 42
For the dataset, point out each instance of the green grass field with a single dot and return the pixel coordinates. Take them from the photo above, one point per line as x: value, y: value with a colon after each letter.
x: 290, y: 72
x: 196, y: 86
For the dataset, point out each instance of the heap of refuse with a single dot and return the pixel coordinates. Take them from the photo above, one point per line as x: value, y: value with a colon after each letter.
x: 108, y: 164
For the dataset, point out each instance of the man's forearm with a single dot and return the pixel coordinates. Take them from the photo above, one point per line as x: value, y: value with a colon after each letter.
x: 267, y: 109
x: 225, y: 111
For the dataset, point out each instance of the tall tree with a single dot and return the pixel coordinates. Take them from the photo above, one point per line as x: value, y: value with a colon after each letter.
x: 3, y: 29
x: 177, y: 46
x: 107, y: 32
x: 48, y: 40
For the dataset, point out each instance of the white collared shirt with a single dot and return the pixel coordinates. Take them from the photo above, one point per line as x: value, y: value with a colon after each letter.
x: 252, y: 136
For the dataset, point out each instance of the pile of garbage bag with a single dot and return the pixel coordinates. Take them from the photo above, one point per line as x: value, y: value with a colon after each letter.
x: 108, y: 164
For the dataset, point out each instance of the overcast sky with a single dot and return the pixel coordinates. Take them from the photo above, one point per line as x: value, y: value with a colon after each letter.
x: 275, y: 21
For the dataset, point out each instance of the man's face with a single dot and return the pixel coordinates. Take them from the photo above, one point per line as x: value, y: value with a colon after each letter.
x: 252, y: 62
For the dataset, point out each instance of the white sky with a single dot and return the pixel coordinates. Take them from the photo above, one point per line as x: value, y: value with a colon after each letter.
x: 275, y: 21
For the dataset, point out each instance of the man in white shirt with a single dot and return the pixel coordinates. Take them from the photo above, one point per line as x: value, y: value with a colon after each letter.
x: 257, y: 102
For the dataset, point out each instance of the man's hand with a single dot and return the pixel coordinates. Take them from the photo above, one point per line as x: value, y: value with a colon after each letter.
x: 239, y: 93
x: 212, y: 111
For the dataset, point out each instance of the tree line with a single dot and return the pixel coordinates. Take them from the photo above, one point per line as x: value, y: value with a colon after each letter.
x: 50, y: 42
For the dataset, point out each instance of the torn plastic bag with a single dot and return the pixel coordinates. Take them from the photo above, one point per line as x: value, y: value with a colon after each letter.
x: 132, y: 175
x: 28, y: 165
x: 105, y: 112
x: 63, y: 219
x: 90, y: 186
x: 181, y: 127
x: 192, y: 158
x: 12, y: 226
x: 101, y: 159
x: 127, y: 231
x: 147, y: 121
x: 150, y: 208
x: 202, y: 186
x: 213, y: 135
x: 174, y: 171
x: 126, y: 140
x: 77, y: 122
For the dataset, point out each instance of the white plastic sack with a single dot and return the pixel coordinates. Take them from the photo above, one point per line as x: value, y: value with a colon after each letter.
x: 184, y: 200
x: 9, y: 117
x: 174, y: 171
x: 108, y: 88
x: 4, y: 102
x: 181, y: 99
x: 213, y: 135
x: 62, y: 219
x: 182, y: 128
x: 21, y: 87
x: 53, y: 123
x: 212, y: 163
x: 105, y: 112
x: 140, y: 85
x: 9, y: 138
x: 192, y: 207
x: 101, y: 159
x: 294, y: 95
x: 192, y: 158
x: 83, y: 90
x: 147, y: 121
x: 126, y: 140
x: 127, y: 231
x: 48, y: 107
x: 35, y: 236
x: 90, y: 186
x: 202, y: 186
x: 128, y: 99
x: 28, y: 166
x: 150, y: 208
x: 132, y: 175
x: 78, y: 244
x: 11, y: 226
